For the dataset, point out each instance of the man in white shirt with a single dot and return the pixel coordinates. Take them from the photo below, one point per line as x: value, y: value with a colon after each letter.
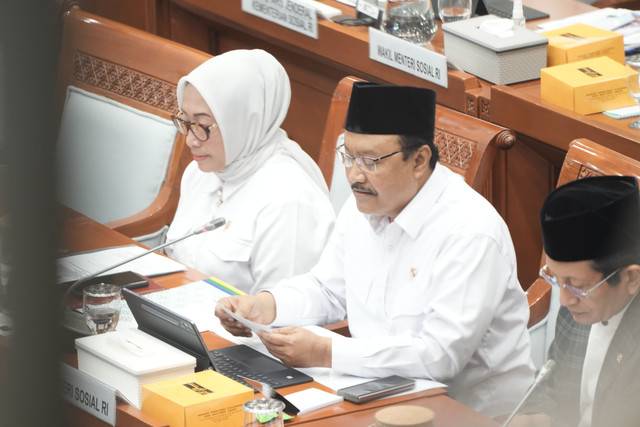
x: 591, y: 236
x: 420, y: 263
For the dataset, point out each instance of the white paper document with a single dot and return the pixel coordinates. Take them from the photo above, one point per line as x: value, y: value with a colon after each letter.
x: 74, y: 267
x: 255, y: 327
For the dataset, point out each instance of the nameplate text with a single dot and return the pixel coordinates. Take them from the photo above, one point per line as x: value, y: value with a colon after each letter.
x: 287, y: 13
x: 405, y: 56
x: 88, y: 394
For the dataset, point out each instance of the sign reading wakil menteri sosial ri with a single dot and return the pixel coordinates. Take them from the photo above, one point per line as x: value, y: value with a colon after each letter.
x: 413, y: 59
x: 287, y: 13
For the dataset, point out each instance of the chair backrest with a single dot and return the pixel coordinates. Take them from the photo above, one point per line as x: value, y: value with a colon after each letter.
x: 584, y: 158
x: 119, y: 158
x: 467, y: 144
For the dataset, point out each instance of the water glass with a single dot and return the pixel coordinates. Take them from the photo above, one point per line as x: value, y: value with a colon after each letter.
x: 454, y: 10
x: 633, y: 82
x: 411, y: 20
x: 101, y: 307
x: 263, y: 413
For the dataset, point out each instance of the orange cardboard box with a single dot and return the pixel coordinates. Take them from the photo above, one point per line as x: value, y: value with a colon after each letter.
x: 580, y: 41
x: 205, y: 398
x: 586, y: 87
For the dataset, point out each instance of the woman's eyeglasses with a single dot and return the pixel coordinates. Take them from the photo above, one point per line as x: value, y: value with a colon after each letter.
x: 201, y: 132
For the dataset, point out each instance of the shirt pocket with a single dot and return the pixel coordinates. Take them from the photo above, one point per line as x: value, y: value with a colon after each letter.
x: 230, y: 247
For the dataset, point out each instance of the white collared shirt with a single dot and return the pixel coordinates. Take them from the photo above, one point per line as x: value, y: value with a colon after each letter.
x: 433, y: 295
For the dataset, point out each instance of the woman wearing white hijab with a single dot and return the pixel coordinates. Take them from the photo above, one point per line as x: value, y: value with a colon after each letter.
x: 248, y: 171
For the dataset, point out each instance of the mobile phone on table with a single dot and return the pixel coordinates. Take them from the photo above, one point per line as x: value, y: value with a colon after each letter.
x: 125, y: 279
x: 374, y: 389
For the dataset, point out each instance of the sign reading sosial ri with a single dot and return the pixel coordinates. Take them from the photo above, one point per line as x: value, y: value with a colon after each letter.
x: 288, y: 13
x: 417, y: 60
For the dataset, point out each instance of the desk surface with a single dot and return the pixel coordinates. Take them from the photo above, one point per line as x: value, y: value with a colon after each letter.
x: 79, y: 233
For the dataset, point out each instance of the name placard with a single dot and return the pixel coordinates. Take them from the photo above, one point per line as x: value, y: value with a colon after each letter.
x: 88, y: 394
x: 405, y: 56
x: 287, y: 13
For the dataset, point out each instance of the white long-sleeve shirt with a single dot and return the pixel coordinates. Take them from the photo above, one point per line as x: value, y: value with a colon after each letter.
x: 433, y: 294
x: 278, y: 221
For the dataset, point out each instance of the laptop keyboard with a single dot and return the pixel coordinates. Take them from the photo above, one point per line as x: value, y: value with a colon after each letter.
x: 231, y: 369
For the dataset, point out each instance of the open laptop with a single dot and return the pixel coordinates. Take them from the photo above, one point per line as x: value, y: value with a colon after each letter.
x: 234, y: 362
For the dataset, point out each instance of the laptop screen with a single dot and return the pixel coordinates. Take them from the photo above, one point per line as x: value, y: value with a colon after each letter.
x: 168, y: 326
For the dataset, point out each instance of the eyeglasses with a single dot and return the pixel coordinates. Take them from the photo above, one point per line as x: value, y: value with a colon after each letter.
x: 201, y: 132
x: 367, y: 164
x: 553, y: 280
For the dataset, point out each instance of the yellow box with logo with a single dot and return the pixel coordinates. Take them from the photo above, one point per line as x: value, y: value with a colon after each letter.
x: 580, y: 41
x: 586, y: 87
x: 205, y: 398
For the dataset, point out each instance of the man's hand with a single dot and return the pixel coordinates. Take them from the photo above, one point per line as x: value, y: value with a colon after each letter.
x: 298, y: 347
x: 260, y: 308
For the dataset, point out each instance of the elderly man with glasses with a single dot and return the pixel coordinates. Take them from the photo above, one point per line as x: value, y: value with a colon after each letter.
x: 591, y: 236
x: 421, y: 264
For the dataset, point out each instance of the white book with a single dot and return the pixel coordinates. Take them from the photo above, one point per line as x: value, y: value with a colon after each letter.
x: 311, y: 399
x: 127, y: 359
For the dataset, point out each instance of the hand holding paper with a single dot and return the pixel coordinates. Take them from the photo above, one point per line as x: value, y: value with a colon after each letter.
x: 260, y: 309
x: 255, y: 327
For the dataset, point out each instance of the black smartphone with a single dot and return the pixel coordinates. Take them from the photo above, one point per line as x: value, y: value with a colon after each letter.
x: 374, y: 389
x: 125, y: 279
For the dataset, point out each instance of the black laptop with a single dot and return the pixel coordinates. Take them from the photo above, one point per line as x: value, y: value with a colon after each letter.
x: 234, y: 362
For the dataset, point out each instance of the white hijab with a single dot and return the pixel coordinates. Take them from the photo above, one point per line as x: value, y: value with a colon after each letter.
x: 248, y: 92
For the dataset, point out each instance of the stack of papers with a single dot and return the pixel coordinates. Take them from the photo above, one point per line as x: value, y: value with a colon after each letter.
x: 622, y: 21
x: 311, y: 399
x: 624, y: 113
x: 77, y: 266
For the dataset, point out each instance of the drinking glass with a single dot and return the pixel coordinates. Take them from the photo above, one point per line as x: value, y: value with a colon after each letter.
x: 263, y: 413
x: 410, y: 20
x: 454, y: 10
x: 101, y: 307
x: 633, y: 82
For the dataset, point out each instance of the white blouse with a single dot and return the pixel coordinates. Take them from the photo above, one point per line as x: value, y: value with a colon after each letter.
x: 278, y: 221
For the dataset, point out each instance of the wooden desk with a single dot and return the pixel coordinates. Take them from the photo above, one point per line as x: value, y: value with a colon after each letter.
x: 80, y: 233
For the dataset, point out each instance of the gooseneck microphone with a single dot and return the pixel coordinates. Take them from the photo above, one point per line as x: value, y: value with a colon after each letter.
x: 211, y: 225
x: 542, y: 374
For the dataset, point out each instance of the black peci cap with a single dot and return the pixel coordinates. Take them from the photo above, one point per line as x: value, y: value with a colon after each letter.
x: 391, y: 110
x: 591, y: 218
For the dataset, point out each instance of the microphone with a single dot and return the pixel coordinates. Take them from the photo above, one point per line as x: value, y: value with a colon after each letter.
x: 542, y: 374
x: 211, y: 225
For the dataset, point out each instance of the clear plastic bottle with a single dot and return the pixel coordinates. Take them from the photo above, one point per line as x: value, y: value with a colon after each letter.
x: 518, y: 15
x: 411, y: 20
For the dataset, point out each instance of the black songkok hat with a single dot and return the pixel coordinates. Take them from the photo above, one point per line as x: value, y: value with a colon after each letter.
x: 591, y: 218
x: 391, y: 110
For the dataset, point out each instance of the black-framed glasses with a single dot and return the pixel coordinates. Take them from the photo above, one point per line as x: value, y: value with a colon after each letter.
x: 367, y: 164
x: 553, y: 280
x: 201, y: 132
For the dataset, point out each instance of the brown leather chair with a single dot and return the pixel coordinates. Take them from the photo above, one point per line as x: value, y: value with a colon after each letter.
x: 133, y: 73
x: 467, y: 145
x: 584, y: 158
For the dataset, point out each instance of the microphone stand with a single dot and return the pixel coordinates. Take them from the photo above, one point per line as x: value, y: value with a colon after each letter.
x: 212, y: 225
x: 544, y: 371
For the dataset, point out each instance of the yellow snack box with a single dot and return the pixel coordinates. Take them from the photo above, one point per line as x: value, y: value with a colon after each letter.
x: 205, y: 398
x: 586, y: 87
x: 580, y: 41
